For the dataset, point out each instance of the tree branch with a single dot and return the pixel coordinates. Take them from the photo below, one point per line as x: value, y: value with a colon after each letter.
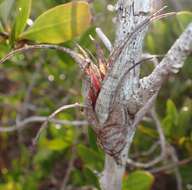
x: 39, y: 119
x: 110, y: 105
x: 104, y: 39
x: 77, y: 57
x: 60, y: 109
x: 171, y: 63
x: 162, y: 144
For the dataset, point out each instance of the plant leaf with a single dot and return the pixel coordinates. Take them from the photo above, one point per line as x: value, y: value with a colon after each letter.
x: 56, y: 144
x: 60, y: 23
x: 184, y: 18
x: 23, y: 13
x: 138, y: 180
x: 170, y: 121
x: 91, y: 158
x: 5, y: 9
x: 1, y: 1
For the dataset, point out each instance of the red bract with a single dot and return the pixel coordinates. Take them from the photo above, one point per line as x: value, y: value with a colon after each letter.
x: 95, y: 86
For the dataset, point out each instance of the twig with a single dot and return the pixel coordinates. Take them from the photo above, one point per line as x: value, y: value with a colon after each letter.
x: 31, y: 85
x: 147, y: 152
x: 150, y: 150
x: 36, y: 119
x: 162, y: 144
x: 176, y: 168
x: 171, y: 166
x: 155, y: 16
x: 44, y: 125
x: 153, y: 59
x: 104, y: 39
x: 23, y: 110
x: 77, y: 57
x: 70, y: 164
x: 170, y: 64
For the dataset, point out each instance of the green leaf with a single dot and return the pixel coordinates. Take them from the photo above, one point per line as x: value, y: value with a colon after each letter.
x: 42, y: 155
x: 171, y: 120
x: 91, y: 158
x: 92, y: 139
x: 1, y: 27
x: 60, y: 24
x: 10, y: 186
x: 56, y: 144
x: 1, y: 1
x: 5, y: 10
x: 138, y: 180
x: 23, y: 13
x: 184, y: 18
x: 91, y: 178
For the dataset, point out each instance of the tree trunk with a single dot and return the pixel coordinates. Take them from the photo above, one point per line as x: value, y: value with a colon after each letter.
x: 130, y: 14
x: 125, y: 98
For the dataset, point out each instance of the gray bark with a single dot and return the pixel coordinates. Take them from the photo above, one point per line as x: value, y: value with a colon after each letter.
x: 124, y: 97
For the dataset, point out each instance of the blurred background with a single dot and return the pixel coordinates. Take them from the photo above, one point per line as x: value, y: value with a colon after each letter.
x: 67, y: 157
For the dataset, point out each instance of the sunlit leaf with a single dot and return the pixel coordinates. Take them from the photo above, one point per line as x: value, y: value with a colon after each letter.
x: 138, y: 180
x: 23, y: 12
x: 60, y: 24
x: 56, y: 144
x: 11, y: 185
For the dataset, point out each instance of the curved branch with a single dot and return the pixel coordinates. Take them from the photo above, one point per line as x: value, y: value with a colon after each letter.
x: 60, y: 109
x: 170, y: 64
x: 39, y: 119
x: 77, y: 57
x: 162, y: 144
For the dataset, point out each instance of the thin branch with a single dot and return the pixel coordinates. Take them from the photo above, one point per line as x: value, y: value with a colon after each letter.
x: 148, y: 152
x: 77, y: 57
x: 62, y: 108
x: 70, y: 164
x: 31, y: 86
x: 174, y: 159
x: 171, y: 63
x: 144, y: 110
x: 168, y: 167
x: 162, y: 144
x: 104, y: 39
x: 153, y: 59
x: 151, y: 150
x: 23, y: 109
x: 39, y: 119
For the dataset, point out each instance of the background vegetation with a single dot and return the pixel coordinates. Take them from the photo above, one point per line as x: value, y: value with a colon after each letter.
x: 67, y: 157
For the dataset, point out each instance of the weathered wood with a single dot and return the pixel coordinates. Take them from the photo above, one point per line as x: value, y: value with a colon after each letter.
x: 116, y: 106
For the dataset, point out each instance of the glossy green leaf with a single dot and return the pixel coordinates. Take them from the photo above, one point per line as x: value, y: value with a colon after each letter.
x: 23, y: 13
x: 60, y: 24
x: 138, y: 180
